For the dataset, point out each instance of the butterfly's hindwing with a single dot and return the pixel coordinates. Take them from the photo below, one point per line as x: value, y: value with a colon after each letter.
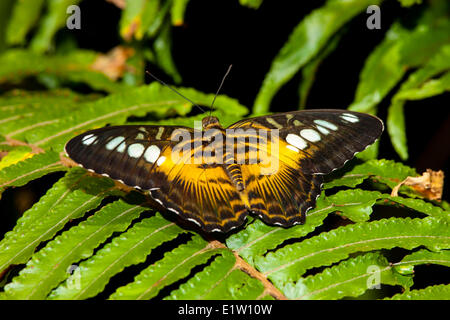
x: 283, y: 198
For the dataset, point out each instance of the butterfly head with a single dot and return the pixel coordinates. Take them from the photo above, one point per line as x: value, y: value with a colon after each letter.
x: 210, y: 122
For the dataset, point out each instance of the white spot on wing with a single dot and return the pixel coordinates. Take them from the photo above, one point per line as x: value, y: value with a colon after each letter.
x: 326, y: 124
x: 136, y: 150
x: 152, y: 153
x: 121, y: 147
x: 291, y: 147
x: 296, y: 141
x: 87, y: 136
x: 310, y: 134
x: 322, y: 129
x: 161, y: 160
x: 114, y: 143
x: 350, y: 117
x: 89, y: 139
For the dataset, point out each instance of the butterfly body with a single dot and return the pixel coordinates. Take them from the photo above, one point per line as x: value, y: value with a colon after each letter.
x: 271, y: 166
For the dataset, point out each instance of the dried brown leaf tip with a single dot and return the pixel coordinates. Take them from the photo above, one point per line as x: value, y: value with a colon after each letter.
x: 430, y: 184
x: 118, y: 3
x: 131, y: 30
x: 113, y: 64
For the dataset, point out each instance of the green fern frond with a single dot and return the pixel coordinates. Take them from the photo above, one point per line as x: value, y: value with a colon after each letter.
x: 418, y: 205
x: 350, y: 278
x: 32, y: 167
x: 384, y: 171
x: 238, y: 285
x: 69, y: 198
x: 21, y: 112
x: 289, y: 263
x: 129, y: 248
x: 258, y: 237
x: 207, y: 284
x: 50, y: 265
x: 174, y: 266
x: 75, y: 66
x: 441, y: 257
x: 14, y: 154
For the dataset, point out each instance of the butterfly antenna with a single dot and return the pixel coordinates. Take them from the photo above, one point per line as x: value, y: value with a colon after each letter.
x: 211, y: 108
x: 220, y: 87
x: 178, y: 93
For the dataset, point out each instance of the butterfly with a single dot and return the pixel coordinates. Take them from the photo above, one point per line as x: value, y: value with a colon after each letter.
x: 271, y: 166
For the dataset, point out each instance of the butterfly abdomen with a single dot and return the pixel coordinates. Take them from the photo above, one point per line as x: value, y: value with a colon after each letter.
x: 235, y: 173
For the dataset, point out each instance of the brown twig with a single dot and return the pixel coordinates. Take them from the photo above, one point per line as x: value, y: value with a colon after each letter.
x: 240, y: 264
